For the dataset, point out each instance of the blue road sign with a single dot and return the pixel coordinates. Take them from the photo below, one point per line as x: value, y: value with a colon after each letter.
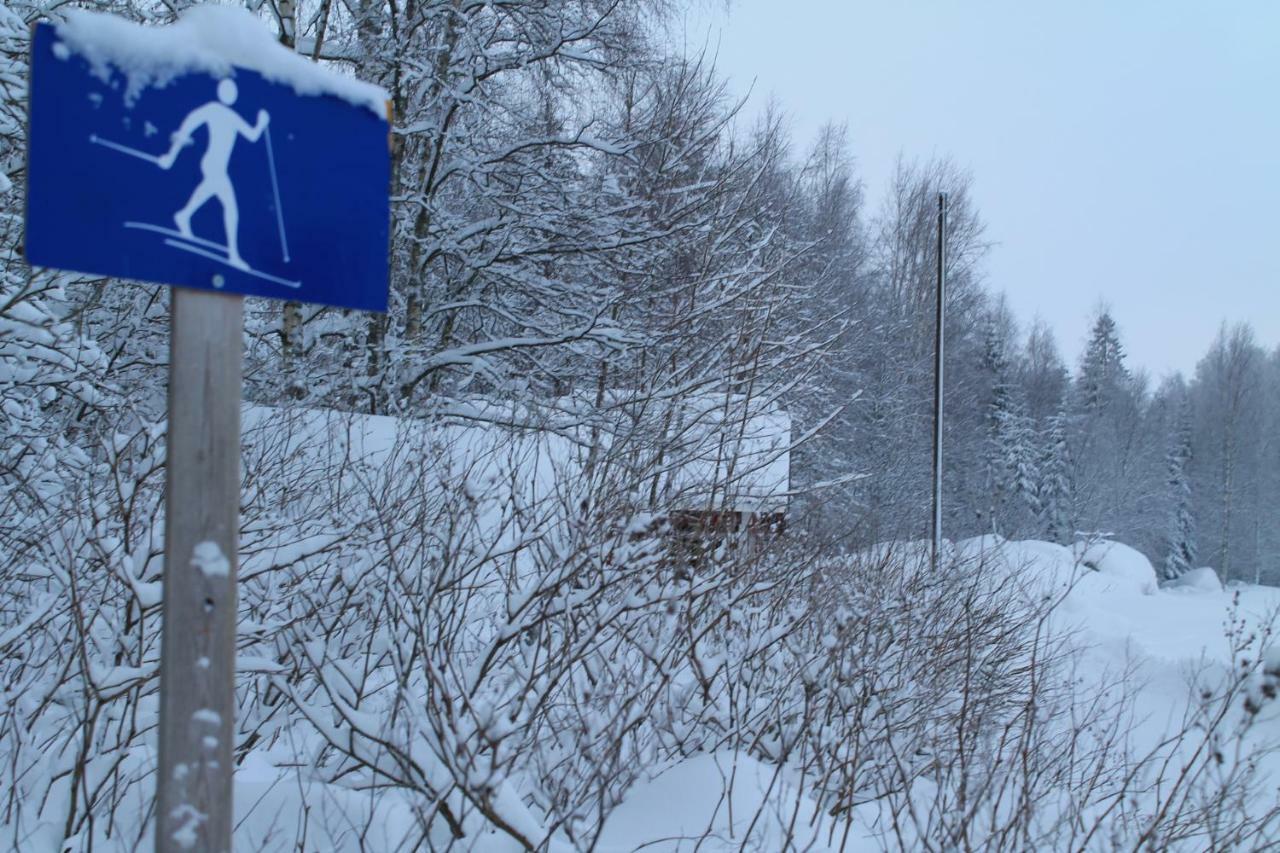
x: 238, y: 184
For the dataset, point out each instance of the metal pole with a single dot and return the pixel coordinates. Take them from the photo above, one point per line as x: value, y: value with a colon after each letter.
x: 202, y: 505
x: 939, y: 341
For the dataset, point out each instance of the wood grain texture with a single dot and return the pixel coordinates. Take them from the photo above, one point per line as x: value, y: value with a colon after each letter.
x: 202, y: 500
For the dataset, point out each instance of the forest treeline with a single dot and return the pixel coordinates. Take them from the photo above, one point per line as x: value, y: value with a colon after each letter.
x: 577, y: 210
x: 1185, y: 469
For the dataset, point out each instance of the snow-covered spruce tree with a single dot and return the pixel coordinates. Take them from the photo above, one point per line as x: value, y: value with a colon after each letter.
x: 1118, y: 475
x: 1100, y: 391
x: 1011, y: 475
x: 1103, y: 373
x: 1181, y: 536
x: 1055, y: 494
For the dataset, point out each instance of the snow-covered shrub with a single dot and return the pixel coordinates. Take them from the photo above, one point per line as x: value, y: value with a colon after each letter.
x: 962, y: 715
x: 472, y: 623
x: 80, y: 648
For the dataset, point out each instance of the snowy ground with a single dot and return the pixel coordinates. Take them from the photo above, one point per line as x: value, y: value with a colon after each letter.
x: 1164, y: 639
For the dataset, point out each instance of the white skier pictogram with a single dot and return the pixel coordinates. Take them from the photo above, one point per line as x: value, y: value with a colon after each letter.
x: 224, y: 126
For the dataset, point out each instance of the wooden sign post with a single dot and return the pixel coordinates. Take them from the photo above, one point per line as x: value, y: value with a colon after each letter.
x: 202, y: 522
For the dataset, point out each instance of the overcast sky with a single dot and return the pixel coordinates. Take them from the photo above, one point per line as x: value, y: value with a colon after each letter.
x: 1122, y: 150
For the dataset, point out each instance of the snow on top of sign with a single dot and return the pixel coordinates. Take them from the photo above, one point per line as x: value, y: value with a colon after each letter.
x: 209, y: 39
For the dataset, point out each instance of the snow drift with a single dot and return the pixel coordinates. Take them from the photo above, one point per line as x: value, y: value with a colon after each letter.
x: 1117, y: 560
